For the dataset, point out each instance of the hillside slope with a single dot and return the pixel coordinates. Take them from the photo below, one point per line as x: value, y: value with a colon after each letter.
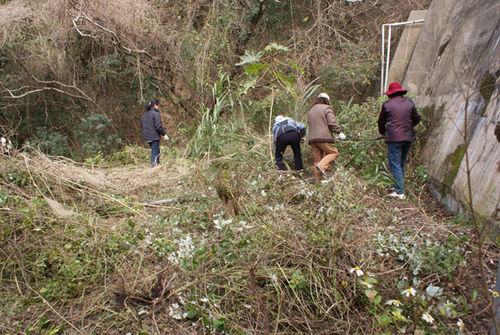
x: 231, y: 249
x: 65, y: 64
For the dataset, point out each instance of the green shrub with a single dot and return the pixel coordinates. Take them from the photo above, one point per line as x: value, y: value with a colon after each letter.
x: 363, y: 150
x: 210, y: 134
x: 131, y: 155
x: 51, y: 142
x: 95, y: 135
x: 423, y: 254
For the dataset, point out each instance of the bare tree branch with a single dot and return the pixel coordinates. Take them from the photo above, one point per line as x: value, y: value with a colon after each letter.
x: 47, y: 86
x: 115, y: 38
x: 11, y: 94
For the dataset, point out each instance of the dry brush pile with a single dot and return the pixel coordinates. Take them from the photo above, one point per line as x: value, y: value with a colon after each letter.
x: 214, y: 246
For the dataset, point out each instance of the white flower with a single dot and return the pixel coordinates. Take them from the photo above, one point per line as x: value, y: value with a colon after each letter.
x: 217, y: 224
x: 409, y: 292
x: 220, y: 224
x: 448, y: 308
x: 185, y: 249
x: 175, y: 311
x: 427, y: 318
x: 245, y: 225
x: 461, y: 324
x: 359, y: 272
x: 366, y: 284
x: 204, y: 299
x: 393, y: 302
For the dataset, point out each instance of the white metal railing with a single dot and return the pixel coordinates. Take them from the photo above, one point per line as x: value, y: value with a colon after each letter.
x: 383, y: 76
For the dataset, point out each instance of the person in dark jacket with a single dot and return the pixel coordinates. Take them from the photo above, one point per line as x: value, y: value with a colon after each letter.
x: 396, y: 122
x: 152, y: 129
x: 287, y: 131
x: 322, y: 123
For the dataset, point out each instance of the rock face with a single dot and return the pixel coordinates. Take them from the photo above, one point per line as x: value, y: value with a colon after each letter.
x: 455, y: 74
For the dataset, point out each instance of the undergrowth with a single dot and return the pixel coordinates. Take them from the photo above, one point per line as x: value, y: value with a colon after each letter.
x: 216, y: 241
x: 235, y: 247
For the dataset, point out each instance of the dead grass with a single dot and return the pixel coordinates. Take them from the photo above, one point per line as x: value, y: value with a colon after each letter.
x: 143, y: 177
x: 14, y: 16
x: 282, y: 275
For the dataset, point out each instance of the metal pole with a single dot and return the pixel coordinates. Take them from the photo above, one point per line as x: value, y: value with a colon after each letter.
x: 403, y: 23
x: 383, y: 77
x: 387, y: 57
x: 382, y: 62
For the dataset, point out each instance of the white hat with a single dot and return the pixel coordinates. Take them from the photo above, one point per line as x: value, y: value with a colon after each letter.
x: 323, y: 95
x: 279, y: 118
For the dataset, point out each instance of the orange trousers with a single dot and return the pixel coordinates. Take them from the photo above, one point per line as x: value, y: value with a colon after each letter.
x: 324, y: 154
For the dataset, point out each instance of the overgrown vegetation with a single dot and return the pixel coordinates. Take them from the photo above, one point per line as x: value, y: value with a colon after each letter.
x: 215, y: 240
x: 235, y: 246
x: 64, y: 61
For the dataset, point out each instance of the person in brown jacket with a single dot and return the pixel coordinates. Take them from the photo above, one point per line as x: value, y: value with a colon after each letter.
x: 322, y: 123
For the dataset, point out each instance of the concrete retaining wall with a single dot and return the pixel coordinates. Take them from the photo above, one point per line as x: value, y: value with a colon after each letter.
x: 455, y: 68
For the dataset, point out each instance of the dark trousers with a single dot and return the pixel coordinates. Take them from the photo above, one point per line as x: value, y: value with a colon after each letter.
x: 291, y: 138
x: 397, y: 152
x: 155, y: 152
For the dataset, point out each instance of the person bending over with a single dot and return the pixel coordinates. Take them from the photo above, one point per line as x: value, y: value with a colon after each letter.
x: 288, y: 132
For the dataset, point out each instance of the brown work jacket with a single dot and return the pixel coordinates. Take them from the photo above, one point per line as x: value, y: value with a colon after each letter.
x: 322, y: 122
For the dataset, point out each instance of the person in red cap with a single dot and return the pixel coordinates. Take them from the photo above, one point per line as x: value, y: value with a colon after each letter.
x: 396, y: 122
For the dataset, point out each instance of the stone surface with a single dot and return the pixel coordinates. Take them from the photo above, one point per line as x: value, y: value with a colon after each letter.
x: 405, y: 47
x: 456, y: 67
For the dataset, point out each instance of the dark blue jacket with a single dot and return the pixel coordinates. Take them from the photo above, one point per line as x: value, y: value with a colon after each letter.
x: 397, y: 119
x: 288, y: 124
x: 151, y: 125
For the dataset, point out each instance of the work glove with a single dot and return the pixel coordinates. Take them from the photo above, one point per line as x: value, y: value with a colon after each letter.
x: 165, y: 137
x: 342, y: 136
